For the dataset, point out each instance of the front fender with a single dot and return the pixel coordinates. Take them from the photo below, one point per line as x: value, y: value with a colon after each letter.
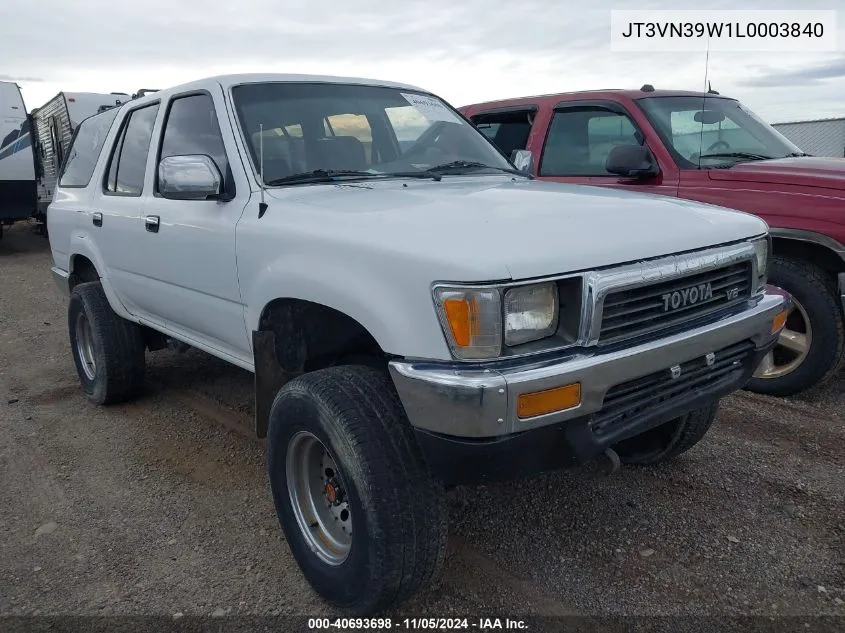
x: 395, y: 307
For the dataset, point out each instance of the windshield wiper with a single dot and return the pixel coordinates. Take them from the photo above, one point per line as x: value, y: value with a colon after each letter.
x: 319, y: 175
x: 797, y: 154
x: 332, y: 175
x: 456, y: 166
x: 748, y: 155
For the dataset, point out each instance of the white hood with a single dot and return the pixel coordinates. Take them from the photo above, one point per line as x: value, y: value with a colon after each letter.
x: 508, y: 228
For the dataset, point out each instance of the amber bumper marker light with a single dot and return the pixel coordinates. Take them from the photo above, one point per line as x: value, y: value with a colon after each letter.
x: 542, y: 402
x: 779, y: 321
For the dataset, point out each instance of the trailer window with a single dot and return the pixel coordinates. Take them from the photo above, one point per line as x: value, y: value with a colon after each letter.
x: 85, y: 148
x: 128, y: 161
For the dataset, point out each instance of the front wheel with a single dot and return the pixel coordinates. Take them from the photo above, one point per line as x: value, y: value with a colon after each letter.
x: 365, y: 520
x: 668, y: 440
x: 811, y: 345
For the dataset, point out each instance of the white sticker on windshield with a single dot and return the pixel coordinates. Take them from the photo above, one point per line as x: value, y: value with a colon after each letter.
x: 431, y: 108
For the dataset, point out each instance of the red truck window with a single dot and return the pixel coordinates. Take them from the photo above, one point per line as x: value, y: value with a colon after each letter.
x: 506, y: 130
x: 580, y: 139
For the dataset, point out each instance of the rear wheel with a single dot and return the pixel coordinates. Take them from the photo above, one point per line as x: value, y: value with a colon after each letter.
x: 108, y: 350
x: 364, y: 519
x: 668, y: 440
x: 811, y: 345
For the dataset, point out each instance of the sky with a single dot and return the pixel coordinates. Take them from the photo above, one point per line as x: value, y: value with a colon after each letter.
x: 464, y: 51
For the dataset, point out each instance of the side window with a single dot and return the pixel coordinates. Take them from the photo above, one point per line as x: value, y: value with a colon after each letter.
x: 580, y: 139
x: 489, y: 129
x: 128, y: 161
x: 506, y: 130
x: 85, y: 149
x: 192, y: 128
x: 294, y: 130
x: 352, y: 126
x: 606, y: 131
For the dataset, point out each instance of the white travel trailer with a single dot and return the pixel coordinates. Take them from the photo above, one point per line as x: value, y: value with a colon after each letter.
x: 55, y: 123
x: 17, y: 160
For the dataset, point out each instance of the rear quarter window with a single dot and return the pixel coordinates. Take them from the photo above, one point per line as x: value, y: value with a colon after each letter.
x: 85, y: 149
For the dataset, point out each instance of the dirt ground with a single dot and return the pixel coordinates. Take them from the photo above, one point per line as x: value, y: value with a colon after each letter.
x: 162, y: 506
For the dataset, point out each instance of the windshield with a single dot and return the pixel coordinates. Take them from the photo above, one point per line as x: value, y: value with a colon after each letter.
x: 322, y: 131
x: 720, y: 134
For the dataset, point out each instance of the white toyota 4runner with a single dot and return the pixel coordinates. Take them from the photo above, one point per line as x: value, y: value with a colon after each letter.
x: 417, y: 312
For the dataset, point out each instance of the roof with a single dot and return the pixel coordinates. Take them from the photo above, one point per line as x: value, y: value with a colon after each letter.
x: 227, y: 81
x: 827, y: 120
x: 551, y: 99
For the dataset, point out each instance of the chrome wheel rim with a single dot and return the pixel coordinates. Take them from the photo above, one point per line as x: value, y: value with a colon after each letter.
x: 318, y: 498
x: 792, y: 347
x: 85, y: 346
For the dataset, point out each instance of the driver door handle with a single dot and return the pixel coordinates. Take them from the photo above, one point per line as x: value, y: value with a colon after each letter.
x: 97, y: 218
x: 151, y: 223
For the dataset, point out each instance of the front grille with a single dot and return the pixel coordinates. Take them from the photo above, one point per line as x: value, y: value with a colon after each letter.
x: 639, y: 311
x: 626, y: 400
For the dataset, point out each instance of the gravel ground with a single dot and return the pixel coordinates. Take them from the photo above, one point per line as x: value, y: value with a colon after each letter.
x: 162, y: 506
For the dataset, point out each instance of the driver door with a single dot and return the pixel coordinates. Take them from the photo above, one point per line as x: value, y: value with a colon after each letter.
x: 578, y: 141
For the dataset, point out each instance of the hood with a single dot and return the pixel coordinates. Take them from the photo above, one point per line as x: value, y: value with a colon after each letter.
x: 494, y: 227
x: 807, y: 171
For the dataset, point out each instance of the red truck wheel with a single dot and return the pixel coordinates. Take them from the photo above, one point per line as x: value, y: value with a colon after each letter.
x: 810, y: 348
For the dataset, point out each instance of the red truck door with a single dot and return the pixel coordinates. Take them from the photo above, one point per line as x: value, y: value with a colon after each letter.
x: 579, y: 137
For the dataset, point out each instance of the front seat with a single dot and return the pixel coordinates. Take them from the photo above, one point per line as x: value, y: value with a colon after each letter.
x: 337, y: 152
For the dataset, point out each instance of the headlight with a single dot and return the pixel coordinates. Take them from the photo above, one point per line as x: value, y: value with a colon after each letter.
x: 761, y: 248
x: 472, y: 321
x: 531, y: 313
x: 473, y: 324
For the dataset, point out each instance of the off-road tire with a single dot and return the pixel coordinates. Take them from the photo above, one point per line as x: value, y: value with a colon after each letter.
x: 668, y: 440
x: 399, y: 514
x: 816, y: 292
x: 118, y: 347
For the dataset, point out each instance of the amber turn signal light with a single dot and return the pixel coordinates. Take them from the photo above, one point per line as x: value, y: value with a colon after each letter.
x: 459, y: 313
x: 549, y: 401
x: 779, y: 321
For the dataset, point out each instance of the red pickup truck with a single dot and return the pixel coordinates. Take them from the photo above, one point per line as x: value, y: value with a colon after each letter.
x: 709, y: 148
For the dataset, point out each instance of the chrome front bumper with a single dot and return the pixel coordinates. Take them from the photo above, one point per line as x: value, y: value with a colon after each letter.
x: 480, y: 400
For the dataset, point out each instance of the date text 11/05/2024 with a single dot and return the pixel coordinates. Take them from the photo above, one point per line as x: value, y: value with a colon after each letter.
x: 384, y: 624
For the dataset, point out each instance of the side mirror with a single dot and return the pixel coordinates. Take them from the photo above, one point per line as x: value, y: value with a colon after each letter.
x: 191, y: 177
x: 631, y: 161
x: 523, y: 160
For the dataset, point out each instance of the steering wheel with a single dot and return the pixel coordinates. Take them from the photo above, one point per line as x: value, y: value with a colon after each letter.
x: 718, y: 144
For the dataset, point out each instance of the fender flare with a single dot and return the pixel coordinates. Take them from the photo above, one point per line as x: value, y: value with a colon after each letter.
x: 81, y: 244
x: 801, y: 235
